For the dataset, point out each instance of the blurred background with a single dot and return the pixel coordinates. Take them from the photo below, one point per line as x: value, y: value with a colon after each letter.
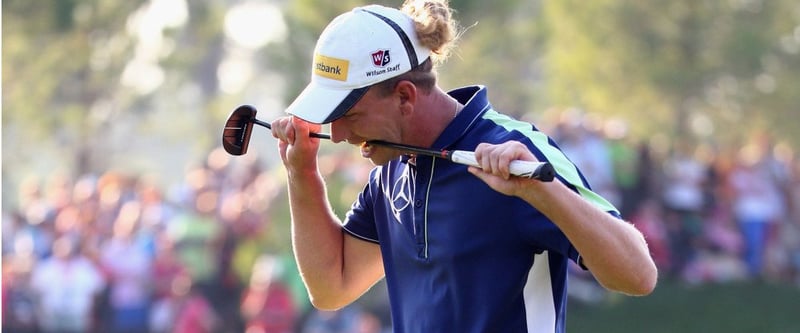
x: 121, y: 213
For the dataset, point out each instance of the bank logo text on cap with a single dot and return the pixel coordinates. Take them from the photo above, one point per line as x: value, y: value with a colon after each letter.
x: 332, y: 68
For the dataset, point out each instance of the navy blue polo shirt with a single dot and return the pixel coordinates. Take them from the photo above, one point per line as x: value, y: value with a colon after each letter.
x: 459, y: 256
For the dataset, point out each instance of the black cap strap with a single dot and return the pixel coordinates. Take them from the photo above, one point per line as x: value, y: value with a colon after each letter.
x: 412, y: 55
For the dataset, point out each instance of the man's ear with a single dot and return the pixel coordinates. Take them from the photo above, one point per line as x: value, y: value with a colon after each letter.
x: 407, y: 92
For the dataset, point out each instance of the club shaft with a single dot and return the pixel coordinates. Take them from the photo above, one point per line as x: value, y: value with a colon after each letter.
x: 312, y: 134
x: 410, y: 149
x: 542, y: 171
x: 259, y: 122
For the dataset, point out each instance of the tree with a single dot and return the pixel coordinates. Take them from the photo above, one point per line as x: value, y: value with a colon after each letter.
x: 57, y: 62
x: 686, y: 63
x: 82, y: 78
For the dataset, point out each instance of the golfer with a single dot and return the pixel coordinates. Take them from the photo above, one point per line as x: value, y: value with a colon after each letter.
x: 463, y: 249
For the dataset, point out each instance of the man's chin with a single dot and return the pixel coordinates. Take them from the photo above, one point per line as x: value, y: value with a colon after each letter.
x: 379, y: 155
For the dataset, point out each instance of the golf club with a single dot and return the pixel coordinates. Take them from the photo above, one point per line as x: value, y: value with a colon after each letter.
x: 236, y: 139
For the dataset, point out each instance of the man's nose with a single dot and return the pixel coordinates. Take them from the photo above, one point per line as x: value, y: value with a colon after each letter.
x: 339, y: 131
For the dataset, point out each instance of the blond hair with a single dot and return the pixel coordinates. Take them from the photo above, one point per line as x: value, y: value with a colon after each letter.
x: 436, y: 30
x: 434, y: 24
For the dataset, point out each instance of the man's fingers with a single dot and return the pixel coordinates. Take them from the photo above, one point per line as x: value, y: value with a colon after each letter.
x: 494, y: 159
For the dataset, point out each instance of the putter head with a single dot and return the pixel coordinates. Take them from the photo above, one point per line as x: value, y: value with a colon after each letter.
x: 236, y: 134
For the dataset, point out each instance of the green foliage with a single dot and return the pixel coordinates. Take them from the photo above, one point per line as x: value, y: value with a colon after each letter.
x: 671, y: 61
x: 659, y: 65
x: 54, y: 72
x: 499, y: 47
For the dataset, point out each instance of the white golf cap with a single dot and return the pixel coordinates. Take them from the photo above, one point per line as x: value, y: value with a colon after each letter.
x: 356, y: 50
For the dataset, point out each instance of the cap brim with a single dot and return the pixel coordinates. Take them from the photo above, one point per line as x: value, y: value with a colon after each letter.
x: 321, y: 105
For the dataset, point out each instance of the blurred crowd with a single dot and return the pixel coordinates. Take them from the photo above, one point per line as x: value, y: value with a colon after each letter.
x: 709, y: 213
x: 115, y: 252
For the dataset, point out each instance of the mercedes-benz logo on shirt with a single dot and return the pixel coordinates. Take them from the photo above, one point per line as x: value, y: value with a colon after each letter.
x: 402, y: 194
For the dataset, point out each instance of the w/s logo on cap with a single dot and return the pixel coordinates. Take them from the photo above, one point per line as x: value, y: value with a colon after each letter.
x: 381, y: 58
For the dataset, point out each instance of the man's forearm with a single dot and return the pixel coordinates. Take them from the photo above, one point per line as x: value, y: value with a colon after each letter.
x: 613, y: 250
x: 336, y: 268
x: 316, y: 235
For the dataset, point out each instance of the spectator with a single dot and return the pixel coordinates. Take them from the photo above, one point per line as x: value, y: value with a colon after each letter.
x: 196, y: 234
x: 35, y: 218
x: 130, y: 278
x: 682, y: 196
x: 19, y: 299
x: 184, y: 310
x: 66, y: 286
x: 166, y: 267
x: 194, y: 313
x: 267, y: 305
x: 757, y: 203
x: 624, y: 161
x: 793, y: 231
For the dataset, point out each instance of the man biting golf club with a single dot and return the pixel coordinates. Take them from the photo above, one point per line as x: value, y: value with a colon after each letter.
x: 463, y: 249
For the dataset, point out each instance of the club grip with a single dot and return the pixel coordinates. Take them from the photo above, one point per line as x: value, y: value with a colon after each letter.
x: 542, y: 171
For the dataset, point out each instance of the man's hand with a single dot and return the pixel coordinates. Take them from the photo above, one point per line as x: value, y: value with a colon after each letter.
x: 298, y: 150
x: 495, y: 161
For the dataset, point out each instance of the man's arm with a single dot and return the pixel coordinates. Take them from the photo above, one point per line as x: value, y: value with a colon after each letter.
x: 336, y: 268
x: 613, y: 250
